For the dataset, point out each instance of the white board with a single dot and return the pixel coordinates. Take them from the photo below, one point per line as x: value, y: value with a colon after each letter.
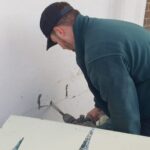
x: 48, y: 135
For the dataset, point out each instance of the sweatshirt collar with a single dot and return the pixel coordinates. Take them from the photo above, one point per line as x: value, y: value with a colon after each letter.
x: 79, y: 29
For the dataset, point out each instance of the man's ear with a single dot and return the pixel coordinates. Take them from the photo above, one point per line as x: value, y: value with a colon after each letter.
x: 59, y: 31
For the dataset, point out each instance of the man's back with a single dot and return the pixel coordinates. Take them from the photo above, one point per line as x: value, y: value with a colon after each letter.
x: 114, y: 37
x: 116, y: 57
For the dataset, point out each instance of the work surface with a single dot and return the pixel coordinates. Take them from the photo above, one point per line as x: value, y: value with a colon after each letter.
x: 49, y: 135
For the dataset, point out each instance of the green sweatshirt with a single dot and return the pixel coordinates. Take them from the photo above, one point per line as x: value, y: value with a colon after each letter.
x: 114, y: 57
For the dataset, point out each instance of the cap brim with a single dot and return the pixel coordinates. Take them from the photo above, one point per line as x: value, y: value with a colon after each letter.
x: 50, y: 43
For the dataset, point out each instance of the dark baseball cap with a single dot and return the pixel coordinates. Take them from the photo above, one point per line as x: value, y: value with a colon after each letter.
x: 50, y: 17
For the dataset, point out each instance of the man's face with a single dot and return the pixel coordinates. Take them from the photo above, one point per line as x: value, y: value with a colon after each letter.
x: 63, y: 43
x: 63, y: 37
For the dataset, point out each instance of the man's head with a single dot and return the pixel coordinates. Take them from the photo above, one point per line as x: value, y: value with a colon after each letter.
x: 56, y: 24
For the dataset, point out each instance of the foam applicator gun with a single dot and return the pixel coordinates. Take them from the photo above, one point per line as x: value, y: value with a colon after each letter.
x: 82, y: 120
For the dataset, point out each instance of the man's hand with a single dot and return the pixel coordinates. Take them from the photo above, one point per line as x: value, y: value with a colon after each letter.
x: 95, y: 114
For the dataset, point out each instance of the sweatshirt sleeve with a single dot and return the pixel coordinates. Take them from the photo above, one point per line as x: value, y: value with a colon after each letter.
x: 110, y: 76
x: 99, y: 103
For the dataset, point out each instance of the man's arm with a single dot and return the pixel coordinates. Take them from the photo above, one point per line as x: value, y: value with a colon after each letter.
x: 99, y: 103
x: 110, y: 76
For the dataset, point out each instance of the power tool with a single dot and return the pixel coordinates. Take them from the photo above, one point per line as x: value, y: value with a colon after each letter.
x: 82, y: 120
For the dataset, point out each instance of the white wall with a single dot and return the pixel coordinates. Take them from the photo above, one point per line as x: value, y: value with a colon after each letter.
x: 28, y: 70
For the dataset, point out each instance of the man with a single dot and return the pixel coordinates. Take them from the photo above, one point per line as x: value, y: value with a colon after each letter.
x: 114, y: 57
